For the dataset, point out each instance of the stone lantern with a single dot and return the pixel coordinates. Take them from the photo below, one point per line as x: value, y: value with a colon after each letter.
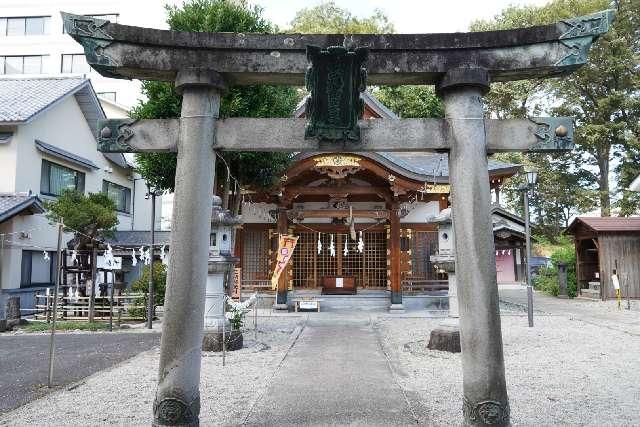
x: 446, y: 336
x: 221, y: 263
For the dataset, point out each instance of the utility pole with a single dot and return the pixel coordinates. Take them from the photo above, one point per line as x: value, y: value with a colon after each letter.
x: 55, y: 303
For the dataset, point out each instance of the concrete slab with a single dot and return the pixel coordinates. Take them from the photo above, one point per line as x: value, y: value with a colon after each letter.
x: 335, y: 374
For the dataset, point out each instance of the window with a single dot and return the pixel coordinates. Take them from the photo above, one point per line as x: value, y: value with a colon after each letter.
x: 36, y: 270
x: 75, y: 63
x: 111, y: 17
x: 25, y: 26
x: 111, y: 96
x: 119, y: 194
x: 56, y: 178
x: 31, y: 64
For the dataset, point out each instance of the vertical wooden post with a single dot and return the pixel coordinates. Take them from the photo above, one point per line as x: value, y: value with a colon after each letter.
x: 94, y: 278
x: 396, y: 282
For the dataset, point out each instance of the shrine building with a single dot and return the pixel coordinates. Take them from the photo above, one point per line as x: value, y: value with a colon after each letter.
x: 365, y: 220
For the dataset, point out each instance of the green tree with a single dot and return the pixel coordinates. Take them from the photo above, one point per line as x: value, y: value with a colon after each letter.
x: 159, y: 282
x: 328, y: 18
x: 411, y: 101
x: 93, y: 215
x: 602, y: 95
x: 251, y: 169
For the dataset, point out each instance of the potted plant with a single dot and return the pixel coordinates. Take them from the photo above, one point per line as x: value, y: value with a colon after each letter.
x: 235, y: 315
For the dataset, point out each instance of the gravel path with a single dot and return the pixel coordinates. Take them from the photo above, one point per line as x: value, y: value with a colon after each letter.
x: 561, y: 372
x: 123, y: 395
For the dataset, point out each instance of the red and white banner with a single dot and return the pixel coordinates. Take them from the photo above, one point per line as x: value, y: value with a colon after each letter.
x: 286, y: 245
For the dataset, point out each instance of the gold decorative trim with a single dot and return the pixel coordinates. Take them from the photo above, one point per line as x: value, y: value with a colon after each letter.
x: 337, y: 160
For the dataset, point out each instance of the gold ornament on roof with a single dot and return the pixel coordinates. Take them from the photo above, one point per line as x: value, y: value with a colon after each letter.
x: 337, y: 160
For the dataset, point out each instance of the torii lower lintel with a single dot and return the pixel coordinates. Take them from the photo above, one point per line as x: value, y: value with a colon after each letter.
x: 538, y: 134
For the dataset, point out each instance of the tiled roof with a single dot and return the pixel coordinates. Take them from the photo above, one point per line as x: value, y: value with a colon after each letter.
x: 12, y: 204
x: 22, y: 99
x: 600, y: 224
x: 137, y: 238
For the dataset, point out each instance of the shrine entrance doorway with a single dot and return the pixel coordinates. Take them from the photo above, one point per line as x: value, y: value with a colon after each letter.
x: 368, y: 268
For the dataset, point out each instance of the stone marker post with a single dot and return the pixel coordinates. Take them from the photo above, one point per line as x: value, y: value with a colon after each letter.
x: 562, y: 280
x: 485, y: 399
x: 177, y: 400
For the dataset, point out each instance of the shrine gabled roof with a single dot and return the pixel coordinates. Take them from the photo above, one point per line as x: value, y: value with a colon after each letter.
x: 422, y: 167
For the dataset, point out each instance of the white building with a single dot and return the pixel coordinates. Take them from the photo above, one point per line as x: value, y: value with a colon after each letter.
x: 32, y: 40
x: 48, y: 144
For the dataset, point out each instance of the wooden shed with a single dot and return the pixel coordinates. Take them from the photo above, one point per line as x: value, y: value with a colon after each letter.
x: 600, y: 244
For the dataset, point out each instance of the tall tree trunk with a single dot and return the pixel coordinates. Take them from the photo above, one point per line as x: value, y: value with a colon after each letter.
x: 603, y: 182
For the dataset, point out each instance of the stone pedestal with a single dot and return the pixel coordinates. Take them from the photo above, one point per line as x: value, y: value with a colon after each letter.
x: 396, y: 308
x: 445, y: 338
x: 212, y: 341
x: 12, y: 312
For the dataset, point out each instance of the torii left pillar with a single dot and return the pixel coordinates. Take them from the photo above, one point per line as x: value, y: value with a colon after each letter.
x: 177, y: 400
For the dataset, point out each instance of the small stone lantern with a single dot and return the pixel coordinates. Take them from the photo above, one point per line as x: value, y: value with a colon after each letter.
x: 221, y: 263
x: 446, y: 336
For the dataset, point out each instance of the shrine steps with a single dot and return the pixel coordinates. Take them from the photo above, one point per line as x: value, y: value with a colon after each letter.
x: 368, y: 301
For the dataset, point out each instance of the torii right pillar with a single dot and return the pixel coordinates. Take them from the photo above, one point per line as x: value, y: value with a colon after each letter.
x: 485, y: 400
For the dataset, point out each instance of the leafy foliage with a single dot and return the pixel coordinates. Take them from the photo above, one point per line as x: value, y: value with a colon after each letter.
x: 141, y: 285
x: 328, y: 18
x: 547, y: 278
x: 159, y: 282
x: 602, y: 95
x: 411, y: 101
x: 93, y: 214
x: 259, y: 169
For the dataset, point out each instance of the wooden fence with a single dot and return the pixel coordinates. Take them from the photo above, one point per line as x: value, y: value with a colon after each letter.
x: 127, y: 307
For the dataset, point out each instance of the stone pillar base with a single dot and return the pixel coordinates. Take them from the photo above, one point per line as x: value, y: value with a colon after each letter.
x: 212, y: 341
x: 445, y: 338
x: 396, y: 308
x: 283, y: 307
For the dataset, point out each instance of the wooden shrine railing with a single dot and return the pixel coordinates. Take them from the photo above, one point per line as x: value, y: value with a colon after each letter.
x: 127, y: 307
x: 418, y: 285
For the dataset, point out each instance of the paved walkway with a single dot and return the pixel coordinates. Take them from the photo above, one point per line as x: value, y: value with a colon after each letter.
x: 335, y: 374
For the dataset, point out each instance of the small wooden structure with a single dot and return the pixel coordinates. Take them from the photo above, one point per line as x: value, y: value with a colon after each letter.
x: 600, y: 244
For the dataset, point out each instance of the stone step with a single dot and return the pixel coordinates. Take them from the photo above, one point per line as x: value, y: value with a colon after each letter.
x: 371, y: 302
x: 590, y: 294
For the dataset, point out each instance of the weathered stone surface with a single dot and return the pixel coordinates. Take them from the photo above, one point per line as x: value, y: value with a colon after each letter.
x: 480, y: 331
x: 212, y: 341
x: 445, y: 339
x: 177, y: 400
x: 123, y: 51
x: 13, y: 309
x: 281, y: 134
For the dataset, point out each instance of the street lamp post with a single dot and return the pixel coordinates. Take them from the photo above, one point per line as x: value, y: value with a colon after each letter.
x: 151, y: 291
x: 532, y: 179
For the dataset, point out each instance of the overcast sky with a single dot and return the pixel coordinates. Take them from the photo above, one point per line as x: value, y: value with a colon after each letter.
x: 408, y: 16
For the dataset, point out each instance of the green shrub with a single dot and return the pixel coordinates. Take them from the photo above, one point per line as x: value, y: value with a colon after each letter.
x: 141, y: 285
x: 547, y: 278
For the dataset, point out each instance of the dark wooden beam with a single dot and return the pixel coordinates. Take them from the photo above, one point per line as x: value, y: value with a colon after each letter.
x: 338, y: 213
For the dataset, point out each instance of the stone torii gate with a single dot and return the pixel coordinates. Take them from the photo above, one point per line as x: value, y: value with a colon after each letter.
x: 461, y: 65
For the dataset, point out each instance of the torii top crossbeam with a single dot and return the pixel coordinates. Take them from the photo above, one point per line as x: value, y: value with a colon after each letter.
x: 123, y: 51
